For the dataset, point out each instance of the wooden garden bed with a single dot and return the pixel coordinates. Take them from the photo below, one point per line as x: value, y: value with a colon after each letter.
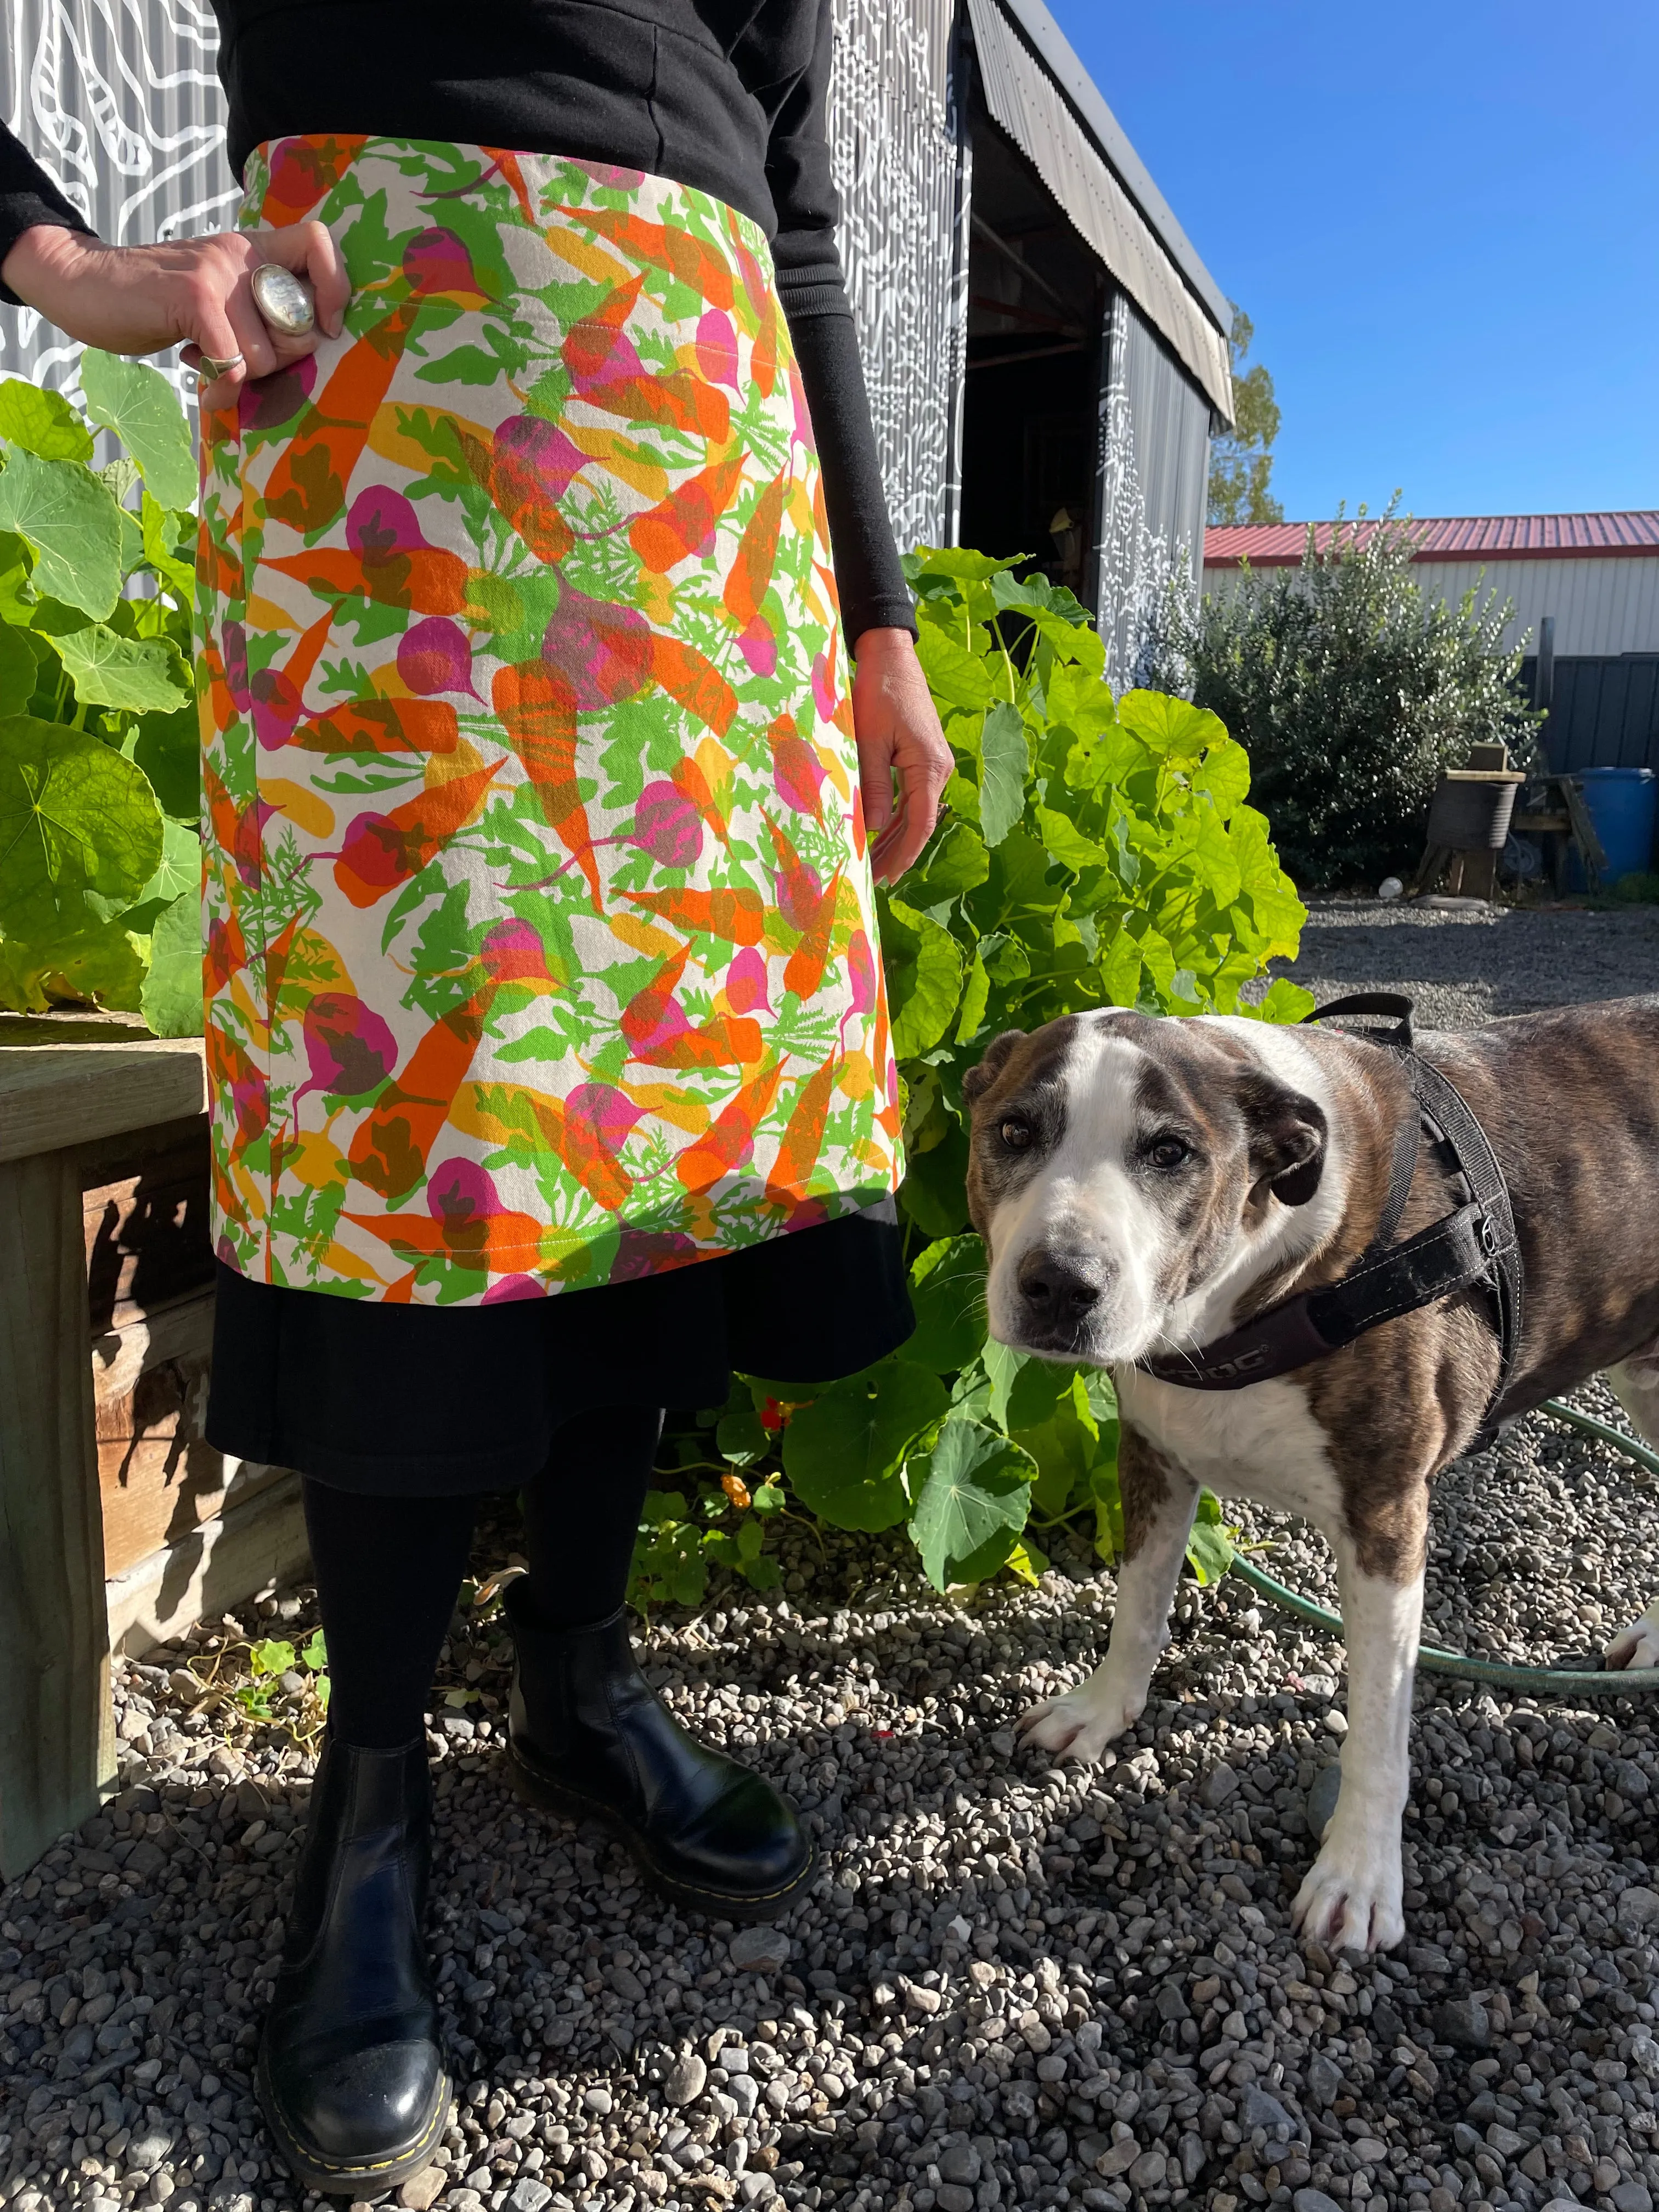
x: 118, y: 1525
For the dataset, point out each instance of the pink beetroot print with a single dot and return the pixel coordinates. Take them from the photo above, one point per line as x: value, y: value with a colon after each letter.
x: 438, y: 261
x: 746, y: 982
x: 798, y: 775
x: 381, y: 522
x: 651, y: 1252
x: 717, y: 348
x: 513, y: 953
x: 436, y: 655
x: 459, y: 1191
x: 535, y: 458
x: 758, y: 642
x: 350, y: 1049
x: 512, y: 1290
x: 602, y: 651
x: 668, y: 826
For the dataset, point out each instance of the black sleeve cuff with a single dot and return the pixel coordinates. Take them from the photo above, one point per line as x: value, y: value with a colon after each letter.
x: 28, y: 211
x: 868, y: 578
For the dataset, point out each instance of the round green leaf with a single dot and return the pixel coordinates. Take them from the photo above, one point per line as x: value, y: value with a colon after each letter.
x: 171, y: 998
x: 845, y: 1453
x: 42, y: 421
x: 947, y: 1289
x: 973, y: 1486
x: 75, y: 817
x: 144, y: 675
x: 1005, y: 764
x: 138, y: 403
x: 71, y: 524
x: 1174, y: 729
x: 926, y: 965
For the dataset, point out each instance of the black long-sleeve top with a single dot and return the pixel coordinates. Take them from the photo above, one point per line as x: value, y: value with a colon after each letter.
x: 726, y: 96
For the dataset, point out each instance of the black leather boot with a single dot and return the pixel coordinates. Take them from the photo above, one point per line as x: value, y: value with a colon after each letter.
x: 351, y: 2075
x: 588, y: 1738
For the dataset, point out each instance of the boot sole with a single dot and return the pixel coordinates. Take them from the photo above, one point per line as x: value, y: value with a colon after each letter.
x: 373, y: 2178
x: 534, y: 1789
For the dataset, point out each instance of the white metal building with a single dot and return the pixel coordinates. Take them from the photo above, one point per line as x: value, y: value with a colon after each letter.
x: 1584, y: 589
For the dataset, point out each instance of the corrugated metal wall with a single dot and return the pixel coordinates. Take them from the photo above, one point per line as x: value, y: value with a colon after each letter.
x: 1154, y: 468
x: 120, y: 100
x: 1600, y: 607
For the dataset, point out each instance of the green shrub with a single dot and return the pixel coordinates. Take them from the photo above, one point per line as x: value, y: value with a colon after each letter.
x: 1094, y: 852
x: 99, y: 860
x: 1351, y: 688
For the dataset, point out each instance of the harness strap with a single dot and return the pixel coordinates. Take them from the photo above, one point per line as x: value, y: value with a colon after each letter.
x: 1474, y: 1244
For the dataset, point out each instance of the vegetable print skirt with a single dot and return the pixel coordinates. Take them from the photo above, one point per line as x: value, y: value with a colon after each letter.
x: 540, y: 941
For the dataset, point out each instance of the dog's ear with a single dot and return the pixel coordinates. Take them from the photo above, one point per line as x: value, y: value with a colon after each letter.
x: 978, y: 1080
x: 1288, y: 1139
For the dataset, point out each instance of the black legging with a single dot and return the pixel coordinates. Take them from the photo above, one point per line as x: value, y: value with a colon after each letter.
x: 388, y: 1569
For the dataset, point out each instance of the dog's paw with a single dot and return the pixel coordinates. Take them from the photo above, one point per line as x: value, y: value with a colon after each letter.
x: 1352, y: 1898
x: 1081, y: 1723
x: 1638, y: 1644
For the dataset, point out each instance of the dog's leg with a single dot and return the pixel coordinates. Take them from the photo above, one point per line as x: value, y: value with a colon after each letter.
x: 1635, y: 1383
x: 1158, y: 1512
x: 1351, y: 1898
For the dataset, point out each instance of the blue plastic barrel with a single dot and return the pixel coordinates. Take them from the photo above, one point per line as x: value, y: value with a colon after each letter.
x: 1620, y: 802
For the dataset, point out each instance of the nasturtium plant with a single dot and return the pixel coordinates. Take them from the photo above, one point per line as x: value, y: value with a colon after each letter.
x: 100, y: 859
x: 1094, y: 851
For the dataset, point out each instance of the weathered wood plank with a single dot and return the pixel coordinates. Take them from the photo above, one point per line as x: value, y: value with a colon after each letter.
x: 260, y: 1541
x: 55, y: 1096
x: 56, y: 1732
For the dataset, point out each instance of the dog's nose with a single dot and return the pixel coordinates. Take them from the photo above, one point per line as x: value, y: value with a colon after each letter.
x: 1058, y: 1289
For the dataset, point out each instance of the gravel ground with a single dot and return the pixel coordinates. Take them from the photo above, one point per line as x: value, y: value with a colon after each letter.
x: 1012, y: 1986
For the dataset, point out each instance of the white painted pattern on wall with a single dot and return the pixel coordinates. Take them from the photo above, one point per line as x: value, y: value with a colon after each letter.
x: 895, y: 159
x: 118, y: 100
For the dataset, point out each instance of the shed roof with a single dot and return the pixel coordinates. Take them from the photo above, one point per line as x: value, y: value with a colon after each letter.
x: 1453, y: 538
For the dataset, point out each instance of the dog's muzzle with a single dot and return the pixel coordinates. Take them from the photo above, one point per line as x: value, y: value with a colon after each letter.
x: 1058, y: 1293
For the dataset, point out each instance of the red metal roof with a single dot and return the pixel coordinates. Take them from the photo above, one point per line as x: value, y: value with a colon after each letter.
x: 1455, y: 537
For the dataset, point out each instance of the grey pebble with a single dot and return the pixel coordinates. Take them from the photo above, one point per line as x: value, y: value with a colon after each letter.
x: 1313, y: 2200
x: 687, y: 2080
x: 1321, y: 1798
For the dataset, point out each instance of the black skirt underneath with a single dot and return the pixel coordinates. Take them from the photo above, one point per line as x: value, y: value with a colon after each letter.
x: 432, y: 1400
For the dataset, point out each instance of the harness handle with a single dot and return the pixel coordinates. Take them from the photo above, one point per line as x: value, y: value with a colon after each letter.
x: 1395, y: 1003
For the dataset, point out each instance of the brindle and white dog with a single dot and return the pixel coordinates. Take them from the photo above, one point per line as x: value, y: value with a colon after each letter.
x: 1144, y: 1185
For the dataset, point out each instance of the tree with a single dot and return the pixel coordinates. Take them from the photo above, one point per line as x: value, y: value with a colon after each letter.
x: 1241, y: 462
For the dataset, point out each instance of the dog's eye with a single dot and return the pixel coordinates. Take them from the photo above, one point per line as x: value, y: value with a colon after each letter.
x: 1169, y: 1152
x: 1017, y: 1136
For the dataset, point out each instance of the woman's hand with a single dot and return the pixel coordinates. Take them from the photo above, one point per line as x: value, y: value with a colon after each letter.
x: 193, y: 293
x: 898, y: 736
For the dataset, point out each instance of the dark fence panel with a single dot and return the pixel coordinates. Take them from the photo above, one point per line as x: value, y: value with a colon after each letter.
x: 1604, y: 711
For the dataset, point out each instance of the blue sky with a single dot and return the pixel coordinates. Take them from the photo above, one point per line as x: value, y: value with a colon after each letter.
x: 1443, y: 220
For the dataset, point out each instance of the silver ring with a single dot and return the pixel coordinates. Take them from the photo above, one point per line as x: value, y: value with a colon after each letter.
x: 208, y: 370
x: 283, y: 299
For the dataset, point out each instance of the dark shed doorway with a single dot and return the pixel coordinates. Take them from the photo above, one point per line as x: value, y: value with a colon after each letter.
x: 1036, y: 299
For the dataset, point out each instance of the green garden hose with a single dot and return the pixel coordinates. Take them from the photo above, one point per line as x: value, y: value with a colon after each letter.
x: 1539, y: 1681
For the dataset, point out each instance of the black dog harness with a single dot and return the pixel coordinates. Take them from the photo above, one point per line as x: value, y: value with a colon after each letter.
x: 1474, y: 1244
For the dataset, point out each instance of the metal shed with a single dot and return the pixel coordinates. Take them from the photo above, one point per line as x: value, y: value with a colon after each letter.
x: 1047, y: 355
